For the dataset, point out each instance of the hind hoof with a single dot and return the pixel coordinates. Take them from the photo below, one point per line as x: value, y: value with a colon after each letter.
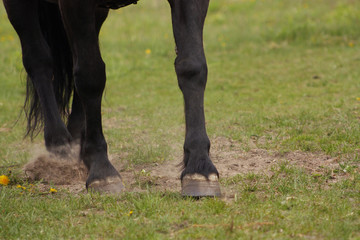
x: 110, y: 185
x: 196, y: 185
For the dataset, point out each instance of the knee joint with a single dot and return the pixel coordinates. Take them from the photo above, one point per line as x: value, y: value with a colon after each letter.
x: 191, y: 70
x: 191, y: 66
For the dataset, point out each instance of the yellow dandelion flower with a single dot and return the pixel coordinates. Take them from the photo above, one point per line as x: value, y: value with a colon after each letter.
x: 4, y: 180
x: 358, y: 98
x: 53, y: 190
x: 130, y: 213
x: 148, y: 51
x: 24, y: 188
x: 351, y: 44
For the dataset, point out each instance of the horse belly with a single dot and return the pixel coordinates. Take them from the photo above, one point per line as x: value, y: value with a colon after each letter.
x: 115, y: 4
x: 109, y: 4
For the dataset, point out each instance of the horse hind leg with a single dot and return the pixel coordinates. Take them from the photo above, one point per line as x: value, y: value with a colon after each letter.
x: 89, y: 74
x: 199, y: 177
x: 38, y: 62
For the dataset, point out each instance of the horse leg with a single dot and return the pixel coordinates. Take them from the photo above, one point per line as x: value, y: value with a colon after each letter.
x: 199, y: 177
x: 76, y: 120
x: 89, y: 74
x: 38, y: 62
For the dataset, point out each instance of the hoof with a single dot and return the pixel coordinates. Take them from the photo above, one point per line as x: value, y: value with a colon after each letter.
x: 197, y: 185
x: 109, y: 185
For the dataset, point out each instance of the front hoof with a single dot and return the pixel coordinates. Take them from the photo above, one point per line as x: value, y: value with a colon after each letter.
x: 109, y: 185
x: 196, y: 185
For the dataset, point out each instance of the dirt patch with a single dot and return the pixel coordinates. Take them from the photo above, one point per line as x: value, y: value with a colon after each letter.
x: 161, y: 176
x: 226, y: 154
x: 64, y: 168
x: 230, y: 160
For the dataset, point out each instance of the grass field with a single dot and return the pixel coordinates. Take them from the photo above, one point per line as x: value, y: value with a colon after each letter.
x: 283, y: 77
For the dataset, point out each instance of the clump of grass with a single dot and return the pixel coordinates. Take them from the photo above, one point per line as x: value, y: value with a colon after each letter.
x: 144, y: 180
x: 148, y: 154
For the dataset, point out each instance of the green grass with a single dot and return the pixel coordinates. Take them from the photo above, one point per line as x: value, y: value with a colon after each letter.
x: 290, y: 204
x: 283, y: 72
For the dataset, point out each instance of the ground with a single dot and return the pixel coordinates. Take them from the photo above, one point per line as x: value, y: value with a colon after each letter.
x: 226, y: 154
x: 282, y: 110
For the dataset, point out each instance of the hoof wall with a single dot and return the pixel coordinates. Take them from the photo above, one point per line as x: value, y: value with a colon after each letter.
x: 197, y: 185
x: 110, y: 185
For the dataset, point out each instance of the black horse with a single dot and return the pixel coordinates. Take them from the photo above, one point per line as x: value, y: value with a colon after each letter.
x: 61, y: 55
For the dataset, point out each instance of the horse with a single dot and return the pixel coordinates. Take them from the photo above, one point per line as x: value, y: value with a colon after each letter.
x: 62, y: 59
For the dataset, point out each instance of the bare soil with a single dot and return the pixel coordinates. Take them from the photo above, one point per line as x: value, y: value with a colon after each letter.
x: 230, y: 160
x: 227, y: 155
x: 57, y: 169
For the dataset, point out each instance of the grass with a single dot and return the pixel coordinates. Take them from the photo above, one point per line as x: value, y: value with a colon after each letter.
x: 290, y: 204
x: 281, y: 72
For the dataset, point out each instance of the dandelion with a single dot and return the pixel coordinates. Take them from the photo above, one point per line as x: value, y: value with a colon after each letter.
x: 18, y: 186
x: 130, y: 213
x: 53, y: 190
x: 148, y: 51
x: 358, y: 98
x: 4, y: 180
x: 351, y: 44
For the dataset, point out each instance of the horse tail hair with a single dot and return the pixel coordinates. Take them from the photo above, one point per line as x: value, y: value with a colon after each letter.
x: 62, y: 81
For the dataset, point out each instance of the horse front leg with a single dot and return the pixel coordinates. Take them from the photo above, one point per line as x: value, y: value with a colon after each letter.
x: 76, y: 120
x: 199, y: 177
x: 89, y: 74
